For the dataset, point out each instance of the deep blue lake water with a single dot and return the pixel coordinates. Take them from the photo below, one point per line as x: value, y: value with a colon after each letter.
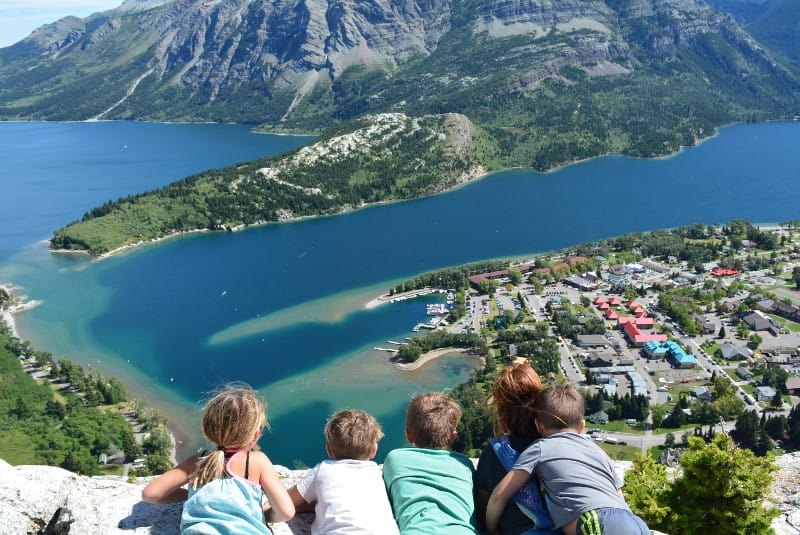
x: 281, y: 306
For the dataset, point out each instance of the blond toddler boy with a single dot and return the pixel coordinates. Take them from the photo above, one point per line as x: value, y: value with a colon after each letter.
x: 346, y: 492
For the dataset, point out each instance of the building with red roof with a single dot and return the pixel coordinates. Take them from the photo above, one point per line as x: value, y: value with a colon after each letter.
x: 474, y: 279
x: 637, y: 337
x: 575, y: 259
x: 641, y: 323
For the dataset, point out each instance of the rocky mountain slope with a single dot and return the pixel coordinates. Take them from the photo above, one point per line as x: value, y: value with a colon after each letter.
x: 552, y: 80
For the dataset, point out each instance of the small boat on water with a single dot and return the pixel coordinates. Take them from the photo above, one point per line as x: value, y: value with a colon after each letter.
x: 435, y: 309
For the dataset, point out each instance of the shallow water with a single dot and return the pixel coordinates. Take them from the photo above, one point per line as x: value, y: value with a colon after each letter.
x: 281, y: 306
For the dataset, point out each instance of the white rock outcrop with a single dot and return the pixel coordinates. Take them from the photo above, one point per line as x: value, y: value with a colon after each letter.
x: 50, y: 500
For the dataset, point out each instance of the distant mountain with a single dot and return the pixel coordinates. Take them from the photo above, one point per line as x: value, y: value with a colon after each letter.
x: 778, y: 28
x: 744, y: 11
x: 774, y: 23
x: 550, y: 82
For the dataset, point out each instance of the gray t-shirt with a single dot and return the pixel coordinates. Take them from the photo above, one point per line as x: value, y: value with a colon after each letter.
x: 576, y: 475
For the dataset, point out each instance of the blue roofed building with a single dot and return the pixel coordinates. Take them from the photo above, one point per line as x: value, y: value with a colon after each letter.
x: 681, y: 358
x: 673, y: 350
x: 655, y: 350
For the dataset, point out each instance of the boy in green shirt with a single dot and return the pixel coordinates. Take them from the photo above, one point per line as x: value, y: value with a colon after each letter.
x: 429, y: 486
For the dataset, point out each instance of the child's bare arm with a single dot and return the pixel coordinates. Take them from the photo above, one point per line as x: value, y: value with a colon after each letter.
x: 508, y: 486
x: 281, y: 507
x: 300, y: 503
x: 166, y: 488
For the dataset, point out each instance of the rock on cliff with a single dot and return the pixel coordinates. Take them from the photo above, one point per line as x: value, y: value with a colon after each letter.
x: 52, y: 500
x: 45, y: 499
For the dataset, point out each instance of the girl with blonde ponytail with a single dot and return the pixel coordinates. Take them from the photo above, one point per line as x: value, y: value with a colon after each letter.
x: 227, y: 483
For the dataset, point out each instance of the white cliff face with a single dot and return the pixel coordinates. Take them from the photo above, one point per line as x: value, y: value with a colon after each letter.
x: 36, y: 499
x: 33, y: 498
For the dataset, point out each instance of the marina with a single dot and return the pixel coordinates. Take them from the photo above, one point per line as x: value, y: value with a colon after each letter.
x: 436, y: 309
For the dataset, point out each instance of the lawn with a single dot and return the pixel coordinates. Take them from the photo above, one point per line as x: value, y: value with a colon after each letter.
x: 791, y: 325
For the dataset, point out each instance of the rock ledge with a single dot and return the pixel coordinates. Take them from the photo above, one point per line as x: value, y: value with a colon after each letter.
x: 50, y: 500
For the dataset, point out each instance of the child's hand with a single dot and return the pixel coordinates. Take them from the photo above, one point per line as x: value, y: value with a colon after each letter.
x: 167, y: 488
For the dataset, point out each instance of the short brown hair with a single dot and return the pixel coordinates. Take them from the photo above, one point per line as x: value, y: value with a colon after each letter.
x: 351, y: 434
x: 432, y: 419
x: 513, y: 395
x: 560, y: 407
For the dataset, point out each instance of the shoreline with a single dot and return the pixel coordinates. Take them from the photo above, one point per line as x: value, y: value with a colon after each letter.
x: 392, y: 298
x: 466, y: 178
x: 426, y: 358
x: 479, y: 172
x: 19, y: 303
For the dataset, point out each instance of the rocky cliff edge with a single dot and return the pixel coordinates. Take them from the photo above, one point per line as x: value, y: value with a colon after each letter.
x: 49, y: 500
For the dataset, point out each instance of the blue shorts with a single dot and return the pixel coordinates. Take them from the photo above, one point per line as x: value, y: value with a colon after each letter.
x: 611, y: 521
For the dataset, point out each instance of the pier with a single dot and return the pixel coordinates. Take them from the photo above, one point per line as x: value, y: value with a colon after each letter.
x: 414, y: 293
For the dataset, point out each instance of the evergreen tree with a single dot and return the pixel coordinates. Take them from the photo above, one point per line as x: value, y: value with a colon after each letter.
x: 746, y: 432
x: 21, y: 409
x: 776, y: 427
x: 777, y: 401
x: 721, y: 490
x: 647, y: 489
x: 763, y: 443
x: 793, y: 425
x: 81, y: 461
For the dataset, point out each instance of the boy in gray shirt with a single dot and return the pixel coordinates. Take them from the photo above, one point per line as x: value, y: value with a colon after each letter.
x: 581, y: 487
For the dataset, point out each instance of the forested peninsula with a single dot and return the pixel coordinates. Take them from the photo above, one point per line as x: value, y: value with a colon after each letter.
x: 379, y: 158
x: 420, y: 98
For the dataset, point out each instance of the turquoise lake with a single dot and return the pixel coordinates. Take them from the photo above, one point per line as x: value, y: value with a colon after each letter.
x: 281, y: 306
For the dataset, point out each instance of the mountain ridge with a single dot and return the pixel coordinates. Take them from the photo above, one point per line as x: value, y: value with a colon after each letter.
x: 299, y: 64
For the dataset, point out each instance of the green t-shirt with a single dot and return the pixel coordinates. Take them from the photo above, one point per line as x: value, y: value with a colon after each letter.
x: 431, y: 491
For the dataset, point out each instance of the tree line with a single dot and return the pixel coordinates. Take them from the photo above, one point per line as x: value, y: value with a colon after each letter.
x: 71, y: 418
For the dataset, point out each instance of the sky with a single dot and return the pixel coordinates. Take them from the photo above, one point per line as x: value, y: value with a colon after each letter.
x: 18, y: 18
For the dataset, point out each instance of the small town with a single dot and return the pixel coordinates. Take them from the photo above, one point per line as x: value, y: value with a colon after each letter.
x: 654, y: 326
x: 579, y: 220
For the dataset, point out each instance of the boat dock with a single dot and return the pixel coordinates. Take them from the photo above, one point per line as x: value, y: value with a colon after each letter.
x: 389, y: 349
x: 414, y: 293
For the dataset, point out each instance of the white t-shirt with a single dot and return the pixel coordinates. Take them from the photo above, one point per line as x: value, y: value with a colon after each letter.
x: 351, y: 498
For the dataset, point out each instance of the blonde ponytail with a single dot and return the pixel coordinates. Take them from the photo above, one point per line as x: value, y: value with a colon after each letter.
x: 209, y: 468
x: 232, y: 420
